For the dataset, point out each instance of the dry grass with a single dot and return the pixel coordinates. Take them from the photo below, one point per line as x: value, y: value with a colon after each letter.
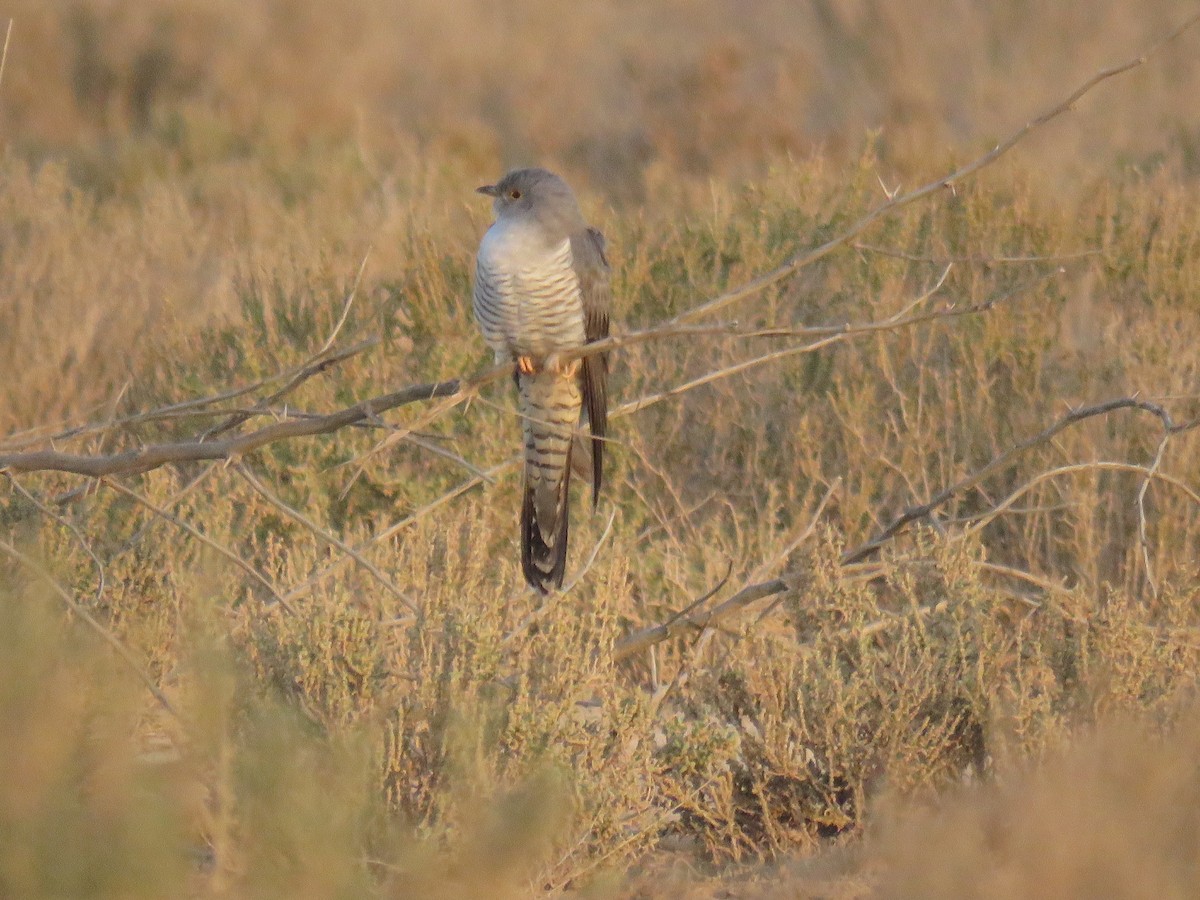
x: 182, y: 211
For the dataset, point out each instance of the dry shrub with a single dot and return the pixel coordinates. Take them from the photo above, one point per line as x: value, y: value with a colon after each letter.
x: 874, y: 691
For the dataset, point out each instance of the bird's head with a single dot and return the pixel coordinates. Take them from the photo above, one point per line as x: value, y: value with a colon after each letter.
x: 537, y: 194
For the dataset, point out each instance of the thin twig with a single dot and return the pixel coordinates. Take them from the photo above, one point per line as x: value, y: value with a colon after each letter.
x: 836, y: 335
x: 317, y: 365
x: 306, y: 586
x: 900, y: 319
x: 976, y: 260
x: 679, y: 678
x: 980, y: 521
x: 530, y: 620
x: 591, y: 560
x: 4, y: 55
x: 1143, y: 540
x: 744, y: 597
x: 656, y: 634
x: 70, y: 526
x: 427, y: 417
x: 362, y: 267
x: 921, y: 511
x: 196, y: 407
x: 447, y: 454
x: 175, y: 500
x: 1043, y: 584
x: 803, y: 535
x: 698, y: 618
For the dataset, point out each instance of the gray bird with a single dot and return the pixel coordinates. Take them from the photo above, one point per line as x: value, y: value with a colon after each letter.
x: 541, y: 288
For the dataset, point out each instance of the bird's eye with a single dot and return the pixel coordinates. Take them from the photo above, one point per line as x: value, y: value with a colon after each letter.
x: 514, y: 194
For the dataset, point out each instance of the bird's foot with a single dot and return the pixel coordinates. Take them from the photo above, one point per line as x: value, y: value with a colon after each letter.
x: 555, y: 364
x: 560, y: 366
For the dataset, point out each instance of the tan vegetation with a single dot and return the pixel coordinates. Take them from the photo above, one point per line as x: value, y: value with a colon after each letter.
x: 356, y: 694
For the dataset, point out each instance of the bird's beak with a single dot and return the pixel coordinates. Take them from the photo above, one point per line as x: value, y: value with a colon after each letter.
x: 489, y: 189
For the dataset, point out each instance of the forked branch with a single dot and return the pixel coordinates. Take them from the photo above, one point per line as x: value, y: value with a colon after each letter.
x: 456, y: 390
x: 143, y: 459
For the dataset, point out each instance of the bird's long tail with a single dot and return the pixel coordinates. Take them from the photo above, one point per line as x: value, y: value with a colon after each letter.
x: 549, y: 403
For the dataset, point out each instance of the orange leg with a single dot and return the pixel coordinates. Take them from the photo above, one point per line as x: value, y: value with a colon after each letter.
x: 528, y: 365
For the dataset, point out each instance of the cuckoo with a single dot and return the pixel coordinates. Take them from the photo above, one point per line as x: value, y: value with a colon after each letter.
x: 541, y: 290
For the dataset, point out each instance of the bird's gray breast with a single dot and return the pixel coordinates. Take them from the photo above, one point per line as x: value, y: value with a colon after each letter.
x: 527, y: 297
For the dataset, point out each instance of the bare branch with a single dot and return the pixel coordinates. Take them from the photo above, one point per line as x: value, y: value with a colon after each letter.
x: 696, y: 617
x: 489, y: 475
x: 362, y: 267
x: 400, y: 434
x: 316, y: 364
x: 1143, y: 539
x: 433, y: 448
x: 700, y: 619
x: 980, y: 521
x: 184, y: 408
x: 70, y: 526
x: 455, y: 390
x: 976, y: 260
x: 830, y: 333
x: 176, y: 499
x: 143, y: 459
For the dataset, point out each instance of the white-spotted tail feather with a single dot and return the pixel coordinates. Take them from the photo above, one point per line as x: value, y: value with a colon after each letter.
x: 550, y: 403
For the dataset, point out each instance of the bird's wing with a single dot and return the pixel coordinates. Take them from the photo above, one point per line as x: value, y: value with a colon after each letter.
x: 592, y: 270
